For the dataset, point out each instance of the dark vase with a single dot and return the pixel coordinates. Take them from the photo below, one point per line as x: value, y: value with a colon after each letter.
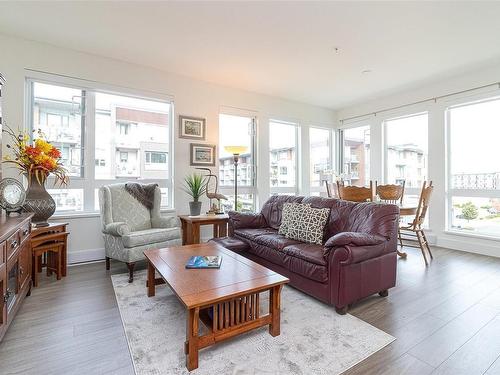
x: 39, y: 201
x: 194, y: 208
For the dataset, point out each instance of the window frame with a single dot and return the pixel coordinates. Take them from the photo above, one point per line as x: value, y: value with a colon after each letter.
x: 341, y: 146
x: 450, y: 192
x: 293, y: 190
x: 331, y: 156
x: 248, y: 189
x: 87, y: 181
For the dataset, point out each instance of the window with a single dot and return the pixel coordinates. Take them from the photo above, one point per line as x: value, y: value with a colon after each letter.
x: 319, y: 155
x: 153, y: 157
x: 474, y: 170
x: 283, y: 156
x: 356, y: 155
x: 57, y: 112
x: 406, y: 151
x: 125, y: 138
x: 237, y: 130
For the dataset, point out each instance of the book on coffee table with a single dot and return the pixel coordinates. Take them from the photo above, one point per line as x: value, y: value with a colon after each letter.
x: 205, y: 261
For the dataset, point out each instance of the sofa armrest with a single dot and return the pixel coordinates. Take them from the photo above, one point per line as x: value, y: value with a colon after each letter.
x: 247, y: 220
x: 117, y: 229
x: 165, y: 222
x: 354, y: 239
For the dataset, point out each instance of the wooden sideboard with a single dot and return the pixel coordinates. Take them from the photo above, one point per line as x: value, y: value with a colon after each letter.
x: 15, y: 266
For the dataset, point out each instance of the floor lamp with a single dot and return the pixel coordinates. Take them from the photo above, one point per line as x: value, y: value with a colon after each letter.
x: 236, y: 151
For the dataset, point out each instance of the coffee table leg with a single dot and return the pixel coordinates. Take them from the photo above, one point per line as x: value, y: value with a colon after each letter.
x: 151, y: 280
x: 192, y: 338
x: 274, y: 310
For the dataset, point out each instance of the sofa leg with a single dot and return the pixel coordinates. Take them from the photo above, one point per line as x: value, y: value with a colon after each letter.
x: 341, y: 310
x: 131, y: 271
x: 384, y: 293
x: 108, y: 266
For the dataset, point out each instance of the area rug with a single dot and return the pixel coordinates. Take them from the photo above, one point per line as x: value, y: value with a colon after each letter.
x: 314, y: 338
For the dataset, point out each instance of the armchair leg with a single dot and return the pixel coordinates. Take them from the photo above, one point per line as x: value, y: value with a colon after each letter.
x: 108, y: 266
x: 383, y: 293
x: 131, y: 271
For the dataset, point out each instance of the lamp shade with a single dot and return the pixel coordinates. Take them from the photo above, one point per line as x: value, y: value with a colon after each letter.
x: 235, y: 150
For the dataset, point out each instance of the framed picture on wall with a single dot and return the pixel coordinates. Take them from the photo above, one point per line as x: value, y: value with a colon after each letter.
x: 192, y: 127
x: 202, y: 155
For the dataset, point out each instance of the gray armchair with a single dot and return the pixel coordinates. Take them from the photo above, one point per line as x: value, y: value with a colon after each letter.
x: 129, y: 227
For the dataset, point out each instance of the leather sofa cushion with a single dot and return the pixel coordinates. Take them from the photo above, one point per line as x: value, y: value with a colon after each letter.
x: 308, y: 252
x: 274, y: 241
x: 251, y: 233
x: 306, y: 269
x: 273, y: 208
x: 150, y: 236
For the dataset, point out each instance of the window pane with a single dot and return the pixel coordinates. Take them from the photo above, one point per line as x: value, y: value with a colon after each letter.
x: 357, y: 156
x: 235, y: 131
x: 476, y: 215
x: 282, y: 154
x: 67, y: 200
x: 319, y: 153
x: 474, y: 151
x: 406, y: 147
x: 132, y: 138
x: 245, y: 203
x: 57, y: 112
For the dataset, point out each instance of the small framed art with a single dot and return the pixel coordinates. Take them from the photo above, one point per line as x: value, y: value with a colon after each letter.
x: 192, y: 127
x: 202, y: 155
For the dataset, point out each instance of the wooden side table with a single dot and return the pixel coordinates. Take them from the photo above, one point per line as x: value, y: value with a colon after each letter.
x: 49, y: 247
x: 191, y: 227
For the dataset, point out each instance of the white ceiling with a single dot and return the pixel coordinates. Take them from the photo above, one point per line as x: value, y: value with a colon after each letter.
x: 284, y: 49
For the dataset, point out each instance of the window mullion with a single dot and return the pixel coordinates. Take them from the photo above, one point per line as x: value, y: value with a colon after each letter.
x: 89, y: 152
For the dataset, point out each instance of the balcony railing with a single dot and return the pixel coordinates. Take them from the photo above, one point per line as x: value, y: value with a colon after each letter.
x: 486, y: 181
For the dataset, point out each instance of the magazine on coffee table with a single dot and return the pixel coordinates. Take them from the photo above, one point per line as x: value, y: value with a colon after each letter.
x: 204, y: 261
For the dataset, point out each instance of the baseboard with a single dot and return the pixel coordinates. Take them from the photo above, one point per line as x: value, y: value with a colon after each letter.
x: 475, y: 247
x: 89, y: 255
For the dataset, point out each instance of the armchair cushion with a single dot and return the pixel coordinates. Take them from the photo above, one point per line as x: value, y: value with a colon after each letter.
x: 354, y: 238
x: 150, y: 236
x: 117, y: 229
x: 165, y: 222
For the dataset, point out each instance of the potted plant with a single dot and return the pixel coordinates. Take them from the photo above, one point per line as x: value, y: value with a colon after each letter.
x: 36, y: 159
x: 195, y: 186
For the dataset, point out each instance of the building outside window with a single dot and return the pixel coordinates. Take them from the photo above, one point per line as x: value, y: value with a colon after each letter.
x: 356, y: 155
x: 319, y: 156
x: 119, y: 133
x: 474, y: 168
x: 406, y: 151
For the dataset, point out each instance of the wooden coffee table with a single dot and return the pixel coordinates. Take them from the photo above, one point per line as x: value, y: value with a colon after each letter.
x: 225, y: 300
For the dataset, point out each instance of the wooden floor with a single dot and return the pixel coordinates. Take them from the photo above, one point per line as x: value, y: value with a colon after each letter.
x: 446, y: 319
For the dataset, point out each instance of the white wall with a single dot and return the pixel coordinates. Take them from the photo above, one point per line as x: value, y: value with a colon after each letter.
x: 437, y: 149
x: 190, y: 97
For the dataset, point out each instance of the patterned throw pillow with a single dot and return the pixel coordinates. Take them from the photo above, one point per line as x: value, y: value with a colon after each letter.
x: 289, y: 211
x: 304, y: 223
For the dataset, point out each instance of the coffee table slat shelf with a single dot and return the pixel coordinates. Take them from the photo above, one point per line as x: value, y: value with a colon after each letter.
x: 225, y: 300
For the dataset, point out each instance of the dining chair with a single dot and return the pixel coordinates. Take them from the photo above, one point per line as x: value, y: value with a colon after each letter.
x: 332, y: 190
x: 355, y: 193
x: 390, y: 193
x: 415, y: 228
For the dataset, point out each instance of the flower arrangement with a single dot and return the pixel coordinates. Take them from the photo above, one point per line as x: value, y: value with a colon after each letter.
x: 36, y: 158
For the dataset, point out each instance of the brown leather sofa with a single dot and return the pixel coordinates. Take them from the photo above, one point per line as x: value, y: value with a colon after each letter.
x: 357, y: 258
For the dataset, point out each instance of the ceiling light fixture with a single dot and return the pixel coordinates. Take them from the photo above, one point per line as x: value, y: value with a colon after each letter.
x: 366, y: 71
